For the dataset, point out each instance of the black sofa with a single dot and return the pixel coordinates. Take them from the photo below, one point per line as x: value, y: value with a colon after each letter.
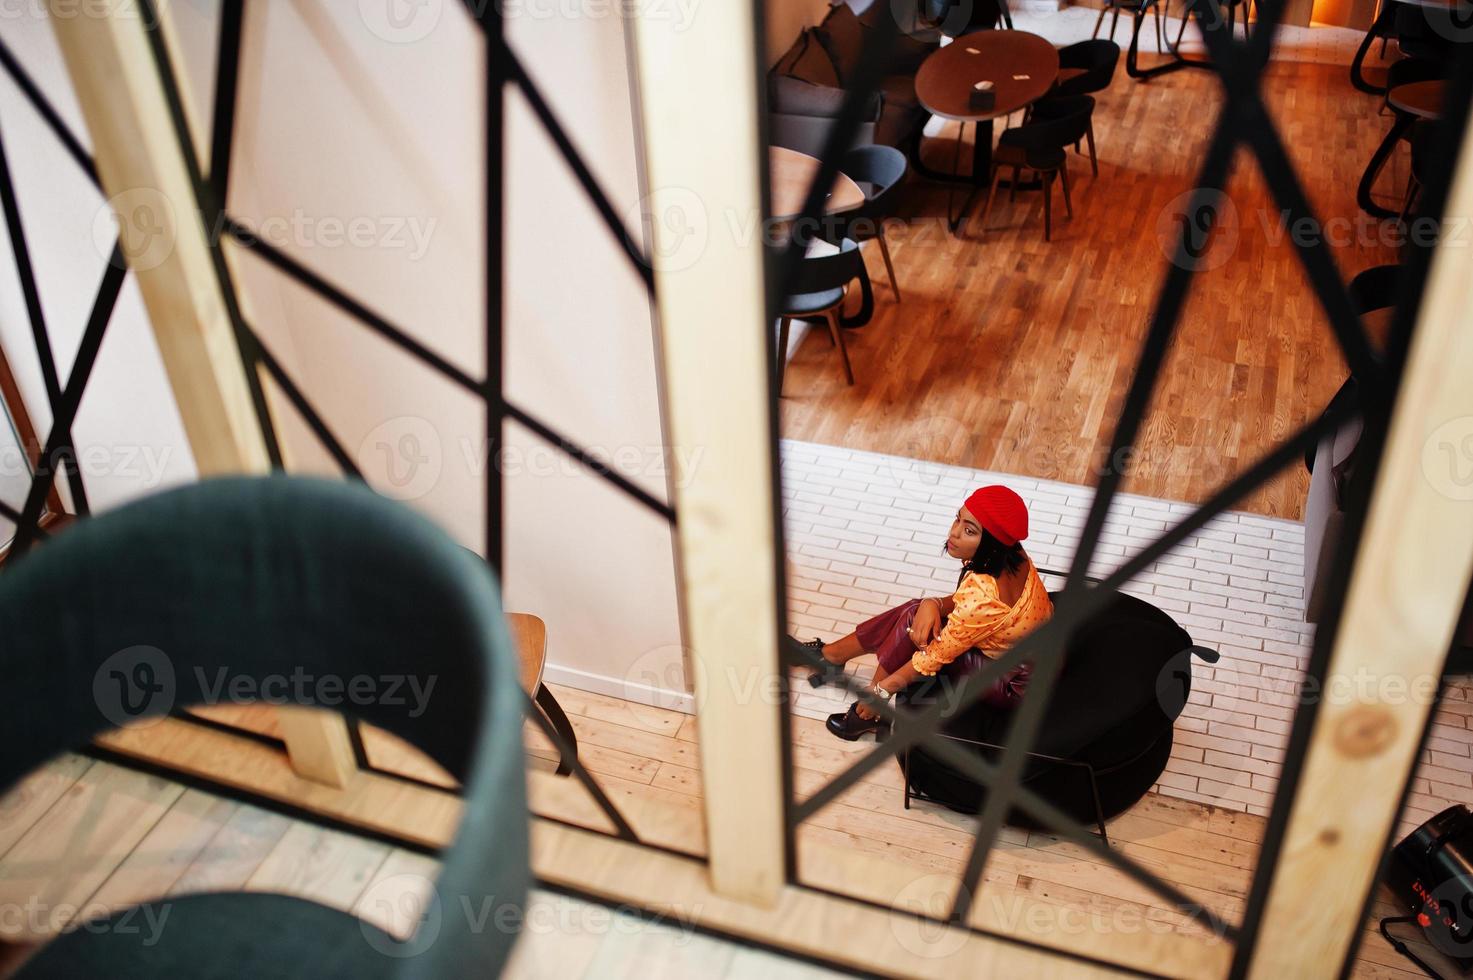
x: 806, y: 87
x: 1108, y: 726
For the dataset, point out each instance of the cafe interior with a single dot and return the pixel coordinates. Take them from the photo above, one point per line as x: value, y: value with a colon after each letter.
x: 484, y: 485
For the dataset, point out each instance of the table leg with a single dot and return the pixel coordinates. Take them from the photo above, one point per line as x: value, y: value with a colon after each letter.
x: 981, y: 169
x: 559, y: 721
x: 1377, y: 163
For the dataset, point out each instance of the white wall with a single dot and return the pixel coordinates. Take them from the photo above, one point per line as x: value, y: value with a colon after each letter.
x: 69, y: 233
x: 345, y: 121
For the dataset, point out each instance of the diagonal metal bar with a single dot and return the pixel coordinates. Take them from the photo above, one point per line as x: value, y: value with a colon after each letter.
x: 358, y: 311
x: 1380, y: 396
x: 596, y: 195
x: 1052, y: 634
x: 1323, y: 275
x: 1027, y: 718
x: 48, y: 113
x: 295, y: 270
x: 227, y: 82
x: 66, y: 411
x: 570, y: 758
x: 592, y: 462
x: 39, y: 334
x: 1045, y: 812
x: 309, y: 413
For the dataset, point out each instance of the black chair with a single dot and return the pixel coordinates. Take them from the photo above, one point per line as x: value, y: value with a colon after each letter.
x: 1227, y: 7
x: 1424, y: 135
x: 1040, y: 146
x: 133, y: 613
x: 822, y: 283
x: 1374, y: 288
x: 878, y: 170
x: 1107, y: 730
x: 954, y: 18
x: 1091, y: 65
x: 1131, y: 7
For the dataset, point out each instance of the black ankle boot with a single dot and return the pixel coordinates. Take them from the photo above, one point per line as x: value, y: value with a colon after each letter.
x: 825, y: 674
x: 849, y: 726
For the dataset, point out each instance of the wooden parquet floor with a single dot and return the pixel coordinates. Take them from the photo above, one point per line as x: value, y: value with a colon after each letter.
x: 1014, y: 354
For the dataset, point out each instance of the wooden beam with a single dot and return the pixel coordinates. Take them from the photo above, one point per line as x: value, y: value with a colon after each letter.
x: 709, y: 289
x: 1406, y: 592
x: 147, y: 183
x: 146, y: 179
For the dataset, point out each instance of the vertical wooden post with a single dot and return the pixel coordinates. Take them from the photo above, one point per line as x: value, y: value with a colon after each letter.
x: 1410, y: 577
x: 146, y: 180
x: 703, y: 209
x: 147, y: 183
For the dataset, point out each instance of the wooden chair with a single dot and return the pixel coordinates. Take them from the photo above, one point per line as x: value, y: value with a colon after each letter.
x: 1039, y: 146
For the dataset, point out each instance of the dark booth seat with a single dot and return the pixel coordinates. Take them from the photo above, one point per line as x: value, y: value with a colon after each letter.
x: 1126, y: 678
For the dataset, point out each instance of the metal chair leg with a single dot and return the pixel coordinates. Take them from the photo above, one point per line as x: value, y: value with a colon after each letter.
x: 885, y: 254
x: 782, y: 352
x: 1064, y: 179
x: 838, y: 335
x: 1048, y: 206
x: 1100, y: 20
x: 991, y: 196
x: 1094, y: 161
x: 554, y: 712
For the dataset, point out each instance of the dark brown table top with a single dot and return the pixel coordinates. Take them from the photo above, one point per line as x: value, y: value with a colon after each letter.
x: 944, y: 83
x: 1421, y: 99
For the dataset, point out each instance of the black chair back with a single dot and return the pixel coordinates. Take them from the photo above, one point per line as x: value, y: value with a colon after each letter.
x: 818, y: 273
x: 878, y: 170
x: 1097, y: 58
x: 1055, y: 123
x: 1374, y: 288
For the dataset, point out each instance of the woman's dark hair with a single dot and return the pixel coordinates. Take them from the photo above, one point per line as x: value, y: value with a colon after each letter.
x: 992, y: 558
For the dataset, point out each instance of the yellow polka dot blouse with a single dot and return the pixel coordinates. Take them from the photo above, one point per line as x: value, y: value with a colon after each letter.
x: 981, y: 619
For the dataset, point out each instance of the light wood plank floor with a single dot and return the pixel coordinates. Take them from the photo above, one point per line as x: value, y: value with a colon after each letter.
x: 1014, y: 354
x: 645, y: 758
x: 81, y: 839
x: 92, y: 835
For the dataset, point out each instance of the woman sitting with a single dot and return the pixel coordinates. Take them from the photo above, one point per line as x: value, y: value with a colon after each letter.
x: 998, y: 600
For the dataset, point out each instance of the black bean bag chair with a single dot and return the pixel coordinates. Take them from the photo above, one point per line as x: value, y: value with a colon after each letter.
x: 1107, y: 731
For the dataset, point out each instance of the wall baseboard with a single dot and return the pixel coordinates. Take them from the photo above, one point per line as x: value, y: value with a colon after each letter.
x: 618, y: 687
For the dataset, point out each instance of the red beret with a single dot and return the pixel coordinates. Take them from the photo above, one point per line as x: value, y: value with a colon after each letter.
x: 1001, y: 512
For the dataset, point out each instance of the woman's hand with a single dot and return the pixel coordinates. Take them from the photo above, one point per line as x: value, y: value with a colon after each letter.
x: 926, y: 625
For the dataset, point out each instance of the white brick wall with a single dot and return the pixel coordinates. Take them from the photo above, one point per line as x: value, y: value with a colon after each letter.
x: 865, y: 532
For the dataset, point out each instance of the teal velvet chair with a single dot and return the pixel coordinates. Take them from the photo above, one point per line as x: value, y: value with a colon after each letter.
x: 137, y: 612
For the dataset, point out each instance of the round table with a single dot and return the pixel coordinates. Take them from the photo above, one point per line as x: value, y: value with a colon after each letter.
x: 1412, y: 101
x: 791, y: 174
x: 1022, y: 68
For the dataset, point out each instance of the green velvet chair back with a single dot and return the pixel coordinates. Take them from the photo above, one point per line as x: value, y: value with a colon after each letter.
x: 285, y: 586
